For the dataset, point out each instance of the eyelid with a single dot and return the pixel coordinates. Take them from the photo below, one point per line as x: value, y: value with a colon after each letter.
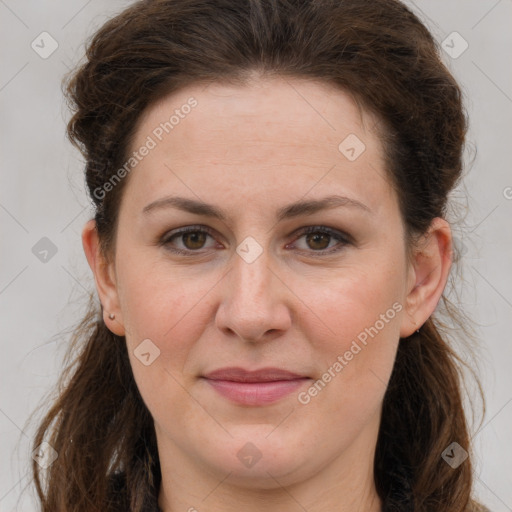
x: 166, y: 238
x: 342, y: 237
x: 337, y: 233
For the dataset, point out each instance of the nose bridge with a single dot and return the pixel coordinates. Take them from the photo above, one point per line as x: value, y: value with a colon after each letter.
x: 249, y: 301
x: 251, y: 277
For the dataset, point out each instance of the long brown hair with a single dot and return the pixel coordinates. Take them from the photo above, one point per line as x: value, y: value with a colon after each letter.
x: 380, y: 53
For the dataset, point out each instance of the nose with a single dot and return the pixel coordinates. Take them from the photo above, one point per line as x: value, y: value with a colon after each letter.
x: 255, y: 301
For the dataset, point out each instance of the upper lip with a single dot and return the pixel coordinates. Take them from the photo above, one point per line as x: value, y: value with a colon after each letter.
x: 237, y: 374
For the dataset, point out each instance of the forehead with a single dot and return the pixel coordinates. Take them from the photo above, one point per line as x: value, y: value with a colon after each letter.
x: 271, y: 137
x: 260, y: 110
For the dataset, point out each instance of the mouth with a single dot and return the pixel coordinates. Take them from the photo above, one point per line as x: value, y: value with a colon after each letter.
x: 256, y: 388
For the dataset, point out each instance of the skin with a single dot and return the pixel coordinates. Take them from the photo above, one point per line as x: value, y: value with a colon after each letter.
x: 250, y: 150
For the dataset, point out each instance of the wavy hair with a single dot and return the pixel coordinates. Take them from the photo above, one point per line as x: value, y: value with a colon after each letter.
x: 380, y: 53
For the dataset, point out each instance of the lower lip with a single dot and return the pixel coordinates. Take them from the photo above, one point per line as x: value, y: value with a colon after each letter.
x: 255, y: 393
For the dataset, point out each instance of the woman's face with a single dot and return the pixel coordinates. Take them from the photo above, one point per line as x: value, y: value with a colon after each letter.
x: 247, y: 170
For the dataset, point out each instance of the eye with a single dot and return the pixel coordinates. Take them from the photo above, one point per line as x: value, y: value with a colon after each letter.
x: 192, y: 237
x: 319, y: 238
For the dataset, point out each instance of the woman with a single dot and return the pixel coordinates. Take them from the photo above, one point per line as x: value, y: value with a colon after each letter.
x: 270, y: 181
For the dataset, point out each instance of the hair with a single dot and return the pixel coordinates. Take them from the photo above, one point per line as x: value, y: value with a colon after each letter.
x: 380, y: 53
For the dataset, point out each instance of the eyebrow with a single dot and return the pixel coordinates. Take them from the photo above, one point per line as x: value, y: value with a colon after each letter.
x: 287, y: 212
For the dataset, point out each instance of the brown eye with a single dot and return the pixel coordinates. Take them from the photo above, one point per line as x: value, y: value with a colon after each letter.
x: 192, y: 239
x: 318, y: 239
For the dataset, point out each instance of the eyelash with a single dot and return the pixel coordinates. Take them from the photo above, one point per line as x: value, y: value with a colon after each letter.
x: 343, y: 238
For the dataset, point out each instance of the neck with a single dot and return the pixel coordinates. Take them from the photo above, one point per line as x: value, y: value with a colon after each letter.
x: 345, y: 484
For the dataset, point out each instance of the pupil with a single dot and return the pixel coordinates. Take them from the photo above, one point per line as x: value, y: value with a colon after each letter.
x: 194, y: 237
x: 198, y: 238
x: 316, y: 236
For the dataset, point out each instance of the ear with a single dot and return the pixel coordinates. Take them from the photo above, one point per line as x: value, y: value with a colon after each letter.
x: 428, y: 274
x: 104, y: 276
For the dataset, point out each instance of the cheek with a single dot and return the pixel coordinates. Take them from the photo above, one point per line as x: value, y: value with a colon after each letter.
x: 354, y: 327
x: 355, y: 332
x: 350, y: 302
x: 168, y: 306
x: 170, y: 311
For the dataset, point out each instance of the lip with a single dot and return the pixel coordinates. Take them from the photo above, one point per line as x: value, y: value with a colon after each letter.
x: 259, y: 387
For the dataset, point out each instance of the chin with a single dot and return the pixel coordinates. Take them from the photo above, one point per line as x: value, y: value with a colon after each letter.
x: 258, y: 457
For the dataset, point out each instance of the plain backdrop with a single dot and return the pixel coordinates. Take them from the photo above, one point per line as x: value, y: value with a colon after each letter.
x: 43, y: 207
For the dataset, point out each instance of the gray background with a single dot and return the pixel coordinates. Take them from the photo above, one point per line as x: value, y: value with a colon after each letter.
x: 42, y: 195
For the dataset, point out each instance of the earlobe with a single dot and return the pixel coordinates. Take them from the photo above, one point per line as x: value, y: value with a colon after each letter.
x: 104, y: 279
x: 428, y: 275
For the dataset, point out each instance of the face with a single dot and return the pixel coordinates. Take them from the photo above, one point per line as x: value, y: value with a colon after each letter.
x: 309, y: 290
